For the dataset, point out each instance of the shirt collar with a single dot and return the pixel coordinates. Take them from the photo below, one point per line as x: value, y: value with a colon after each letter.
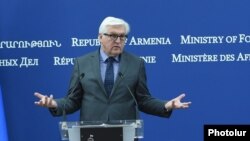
x: 104, y: 56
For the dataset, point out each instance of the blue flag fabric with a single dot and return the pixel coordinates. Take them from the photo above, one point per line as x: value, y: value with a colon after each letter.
x: 3, y: 127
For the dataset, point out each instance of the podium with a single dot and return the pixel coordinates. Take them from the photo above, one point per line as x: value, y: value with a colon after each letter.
x: 118, y: 130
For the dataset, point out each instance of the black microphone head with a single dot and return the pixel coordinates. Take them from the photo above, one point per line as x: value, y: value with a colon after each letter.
x: 82, y: 75
x: 120, y: 74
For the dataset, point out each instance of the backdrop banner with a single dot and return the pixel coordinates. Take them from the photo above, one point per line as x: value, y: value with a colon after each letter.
x: 200, y: 48
x: 3, y: 127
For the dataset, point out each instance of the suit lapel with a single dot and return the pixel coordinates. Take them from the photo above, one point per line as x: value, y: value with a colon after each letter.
x: 124, y: 62
x: 96, y: 69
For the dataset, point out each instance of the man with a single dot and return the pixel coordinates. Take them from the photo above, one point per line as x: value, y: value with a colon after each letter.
x: 118, y: 97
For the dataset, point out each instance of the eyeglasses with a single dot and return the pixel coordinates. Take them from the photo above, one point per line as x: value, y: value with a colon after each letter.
x: 114, y: 37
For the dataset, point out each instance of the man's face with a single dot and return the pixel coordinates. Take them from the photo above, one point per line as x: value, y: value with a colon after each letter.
x: 113, y: 41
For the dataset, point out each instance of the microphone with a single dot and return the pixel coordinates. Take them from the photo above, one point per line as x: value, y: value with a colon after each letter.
x: 71, y: 93
x: 130, y: 92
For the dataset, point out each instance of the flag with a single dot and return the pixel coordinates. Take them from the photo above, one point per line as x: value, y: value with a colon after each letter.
x: 3, y: 127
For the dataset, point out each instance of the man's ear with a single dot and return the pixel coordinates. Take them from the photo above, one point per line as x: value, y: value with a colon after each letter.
x: 99, y: 36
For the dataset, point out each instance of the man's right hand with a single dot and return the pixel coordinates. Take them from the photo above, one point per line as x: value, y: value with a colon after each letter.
x: 45, y: 101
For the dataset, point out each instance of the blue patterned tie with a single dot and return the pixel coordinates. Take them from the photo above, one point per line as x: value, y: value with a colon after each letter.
x: 109, y: 75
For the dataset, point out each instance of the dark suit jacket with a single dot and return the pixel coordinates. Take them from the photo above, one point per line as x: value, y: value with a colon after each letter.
x: 91, y: 98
